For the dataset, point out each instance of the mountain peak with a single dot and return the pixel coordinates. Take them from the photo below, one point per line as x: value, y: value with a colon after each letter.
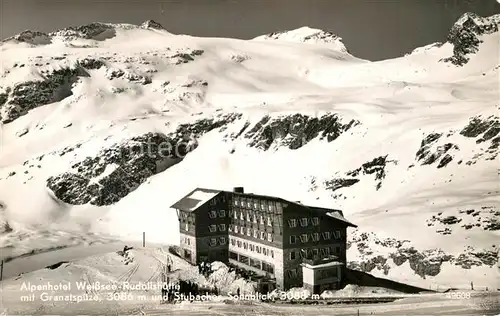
x: 151, y: 24
x: 306, y: 34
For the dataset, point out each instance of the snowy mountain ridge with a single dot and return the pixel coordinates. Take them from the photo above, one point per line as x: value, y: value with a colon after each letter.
x: 103, y: 127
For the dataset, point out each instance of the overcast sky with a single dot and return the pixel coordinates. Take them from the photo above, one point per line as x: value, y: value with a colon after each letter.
x: 371, y: 29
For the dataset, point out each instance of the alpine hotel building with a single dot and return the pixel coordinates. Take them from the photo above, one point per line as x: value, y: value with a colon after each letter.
x: 292, y: 244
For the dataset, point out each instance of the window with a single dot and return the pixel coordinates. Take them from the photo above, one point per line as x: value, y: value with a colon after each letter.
x: 238, y: 243
x: 279, y: 207
x: 245, y: 246
x: 272, y: 253
x: 222, y: 240
x: 293, y: 239
x: 270, y: 207
x: 212, y: 228
x: 233, y: 242
x: 212, y: 214
x: 249, y: 231
x: 264, y: 251
x: 292, y: 222
x: 262, y: 235
x: 255, y: 205
x: 269, y: 237
x: 262, y: 220
x: 304, y: 238
x: 316, y: 252
x: 252, y: 247
x: 222, y: 227
x: 249, y: 204
x: 236, y: 202
x: 315, y: 221
x: 303, y: 222
x: 255, y: 234
x: 292, y: 273
x: 258, y: 249
x: 231, y: 213
x: 254, y: 218
x: 230, y: 228
x: 262, y: 205
x: 233, y: 255
x: 186, y: 227
x: 326, y: 235
x: 235, y: 214
x: 292, y: 255
x: 315, y: 236
x: 235, y: 228
x: 269, y: 222
x: 325, y: 251
x: 222, y: 213
x: 213, y: 201
x: 248, y: 216
x: 213, y: 241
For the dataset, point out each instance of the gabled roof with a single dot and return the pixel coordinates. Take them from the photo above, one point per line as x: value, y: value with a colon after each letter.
x: 195, y: 199
x: 200, y: 196
x: 337, y: 214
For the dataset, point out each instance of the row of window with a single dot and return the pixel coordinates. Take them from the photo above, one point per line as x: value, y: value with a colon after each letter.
x: 215, y: 214
x: 251, y: 217
x: 314, y: 253
x: 251, y: 232
x: 255, y: 204
x: 258, y: 264
x: 315, y: 237
x: 251, y: 247
x: 304, y: 222
x: 214, y: 241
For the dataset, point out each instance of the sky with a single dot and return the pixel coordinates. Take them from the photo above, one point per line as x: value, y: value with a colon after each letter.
x: 371, y: 29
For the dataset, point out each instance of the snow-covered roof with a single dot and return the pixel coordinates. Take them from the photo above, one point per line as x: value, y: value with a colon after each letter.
x: 195, y: 199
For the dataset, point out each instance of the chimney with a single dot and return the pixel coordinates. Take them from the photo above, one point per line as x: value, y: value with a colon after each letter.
x: 238, y: 190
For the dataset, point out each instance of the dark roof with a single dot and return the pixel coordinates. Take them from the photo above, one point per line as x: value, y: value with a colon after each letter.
x: 199, y: 196
x: 195, y: 199
x: 337, y: 214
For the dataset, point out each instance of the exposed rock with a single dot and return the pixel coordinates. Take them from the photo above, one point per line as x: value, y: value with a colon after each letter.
x: 427, y: 156
x: 294, y: 131
x: 336, y: 184
x: 28, y: 95
x: 465, y: 36
x: 150, y: 24
x: 376, y: 166
x: 489, y: 126
x: 119, y: 169
x: 89, y: 31
x: 449, y: 220
x: 91, y: 63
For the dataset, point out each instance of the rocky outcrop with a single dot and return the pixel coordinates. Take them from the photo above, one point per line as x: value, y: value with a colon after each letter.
x: 484, y: 129
x: 89, y: 31
x: 429, y: 153
x: 150, y: 24
x: 294, y: 131
x: 423, y: 262
x: 375, y: 167
x: 336, y: 184
x: 31, y: 37
x: 28, y: 95
x: 465, y: 36
x: 114, y: 172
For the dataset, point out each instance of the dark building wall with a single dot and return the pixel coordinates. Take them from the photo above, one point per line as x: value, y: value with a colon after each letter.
x: 211, y: 229
x: 325, y: 235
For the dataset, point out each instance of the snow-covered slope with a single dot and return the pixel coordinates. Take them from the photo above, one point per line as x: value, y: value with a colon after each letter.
x: 307, y: 35
x: 105, y: 126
